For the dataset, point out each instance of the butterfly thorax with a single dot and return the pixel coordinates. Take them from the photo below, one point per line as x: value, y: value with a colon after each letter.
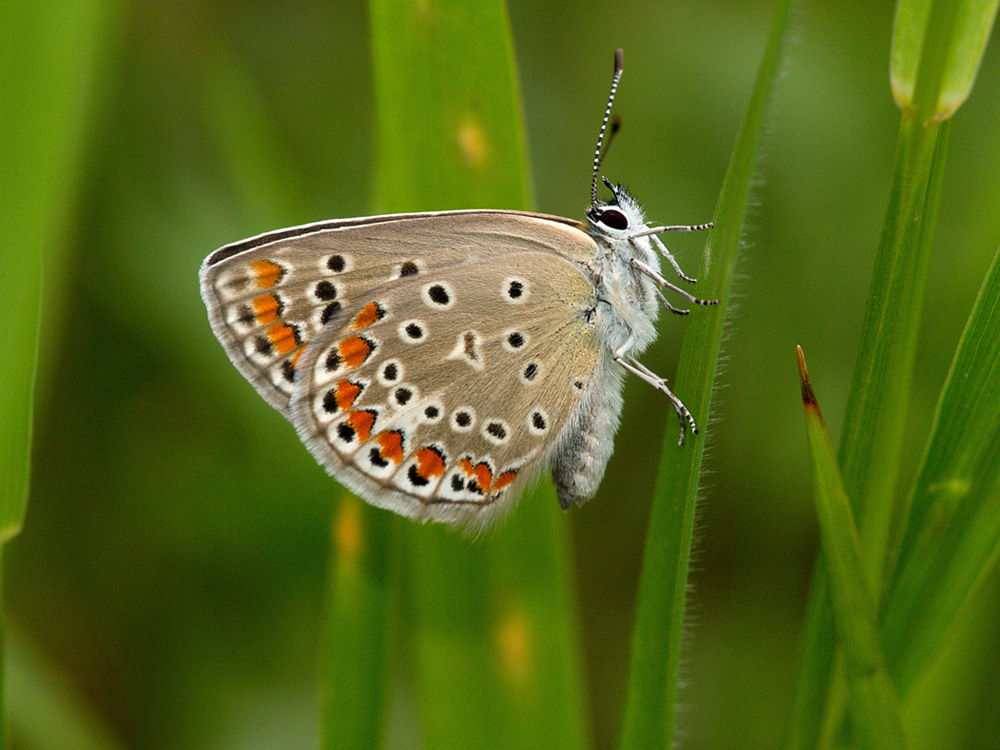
x: 627, y: 306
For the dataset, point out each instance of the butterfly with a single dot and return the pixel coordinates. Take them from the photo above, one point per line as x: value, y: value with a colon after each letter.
x: 436, y: 362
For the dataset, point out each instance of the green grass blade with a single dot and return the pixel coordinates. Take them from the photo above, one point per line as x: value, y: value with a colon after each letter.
x: 953, y: 538
x: 926, y: 60
x: 45, y: 58
x: 449, y: 128
x: 361, y: 622
x: 45, y: 54
x: 874, y: 704
x: 961, y: 28
x: 876, y: 411
x: 492, y: 620
x: 656, y: 642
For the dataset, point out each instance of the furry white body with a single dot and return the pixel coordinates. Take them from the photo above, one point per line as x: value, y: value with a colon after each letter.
x: 625, y: 316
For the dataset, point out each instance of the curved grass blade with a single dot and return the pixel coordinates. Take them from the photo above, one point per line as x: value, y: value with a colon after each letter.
x: 656, y: 642
x: 953, y: 539
x: 46, y: 53
x: 491, y: 623
x: 46, y: 709
x: 876, y: 415
x: 874, y: 704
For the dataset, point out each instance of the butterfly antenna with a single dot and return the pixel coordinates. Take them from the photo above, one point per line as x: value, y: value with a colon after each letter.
x: 601, y: 152
x: 616, y: 125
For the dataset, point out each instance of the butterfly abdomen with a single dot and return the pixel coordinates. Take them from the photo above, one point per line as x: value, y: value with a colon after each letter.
x: 586, y: 445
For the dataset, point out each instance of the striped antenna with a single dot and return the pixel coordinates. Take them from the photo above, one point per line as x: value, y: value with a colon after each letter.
x: 600, y: 152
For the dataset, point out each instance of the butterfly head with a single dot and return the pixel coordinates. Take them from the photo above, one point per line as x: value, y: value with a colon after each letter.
x: 617, y: 218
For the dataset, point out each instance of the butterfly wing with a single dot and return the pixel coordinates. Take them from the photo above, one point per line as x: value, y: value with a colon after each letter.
x: 439, y: 395
x: 268, y: 297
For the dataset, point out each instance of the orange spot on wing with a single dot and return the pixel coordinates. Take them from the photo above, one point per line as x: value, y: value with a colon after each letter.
x: 283, y: 337
x: 480, y: 474
x: 504, y: 480
x: 266, y: 307
x: 361, y: 422
x: 347, y: 394
x: 268, y: 273
x: 391, y: 443
x: 295, y: 357
x: 354, y: 350
x: 430, y: 463
x: 484, y: 477
x: 370, y: 313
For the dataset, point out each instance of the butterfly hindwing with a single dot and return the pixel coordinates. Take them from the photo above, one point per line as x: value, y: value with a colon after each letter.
x: 440, y: 394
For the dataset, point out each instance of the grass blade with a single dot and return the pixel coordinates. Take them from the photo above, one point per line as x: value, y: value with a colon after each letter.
x: 953, y: 538
x: 925, y: 62
x: 361, y: 622
x: 876, y: 410
x: 45, y: 58
x: 491, y: 618
x: 874, y: 705
x: 656, y: 642
x: 960, y: 29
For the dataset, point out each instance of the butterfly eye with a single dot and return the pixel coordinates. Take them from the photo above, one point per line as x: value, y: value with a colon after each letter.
x: 613, y: 218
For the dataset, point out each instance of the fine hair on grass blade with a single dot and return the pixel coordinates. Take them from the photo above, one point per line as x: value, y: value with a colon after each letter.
x: 654, y: 666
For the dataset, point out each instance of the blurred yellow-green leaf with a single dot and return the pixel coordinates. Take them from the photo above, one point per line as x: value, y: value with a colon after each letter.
x: 494, y: 618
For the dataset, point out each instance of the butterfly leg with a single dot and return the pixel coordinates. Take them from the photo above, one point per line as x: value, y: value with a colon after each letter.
x: 636, y: 368
x: 652, y: 233
x: 670, y: 259
x: 653, y: 274
x: 666, y: 303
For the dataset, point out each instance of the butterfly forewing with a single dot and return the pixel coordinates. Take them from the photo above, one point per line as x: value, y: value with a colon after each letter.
x: 269, y: 296
x: 439, y: 395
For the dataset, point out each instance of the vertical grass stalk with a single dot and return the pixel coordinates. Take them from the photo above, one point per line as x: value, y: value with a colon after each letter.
x: 656, y: 642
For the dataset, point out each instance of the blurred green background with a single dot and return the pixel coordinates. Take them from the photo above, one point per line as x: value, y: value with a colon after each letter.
x: 170, y: 575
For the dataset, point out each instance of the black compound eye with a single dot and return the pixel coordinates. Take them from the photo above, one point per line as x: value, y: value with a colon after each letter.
x: 613, y: 218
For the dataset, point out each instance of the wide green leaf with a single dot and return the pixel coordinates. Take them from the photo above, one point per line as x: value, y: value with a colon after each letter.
x: 491, y: 621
